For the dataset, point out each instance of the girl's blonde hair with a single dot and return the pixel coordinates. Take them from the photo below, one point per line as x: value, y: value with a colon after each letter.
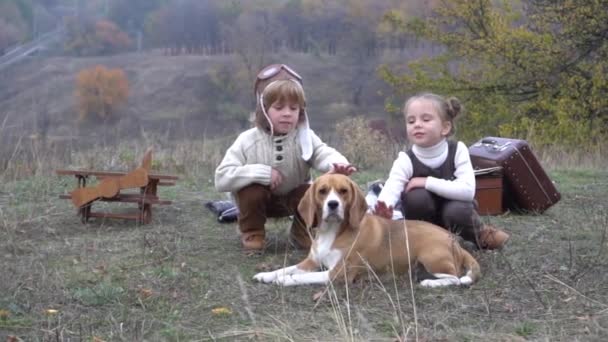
x: 448, y: 109
x: 284, y: 91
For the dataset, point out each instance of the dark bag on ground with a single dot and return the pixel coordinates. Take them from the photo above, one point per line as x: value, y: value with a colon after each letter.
x: 226, y: 211
x: 526, y: 185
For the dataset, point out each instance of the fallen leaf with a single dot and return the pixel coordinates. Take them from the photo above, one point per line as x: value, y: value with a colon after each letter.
x: 51, y: 312
x: 4, y: 314
x: 145, y: 293
x: 221, y: 311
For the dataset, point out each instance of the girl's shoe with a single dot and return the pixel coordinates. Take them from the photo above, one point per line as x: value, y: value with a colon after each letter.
x: 491, y: 237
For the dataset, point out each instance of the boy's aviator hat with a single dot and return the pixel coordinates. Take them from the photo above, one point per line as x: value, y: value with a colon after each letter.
x: 268, y: 75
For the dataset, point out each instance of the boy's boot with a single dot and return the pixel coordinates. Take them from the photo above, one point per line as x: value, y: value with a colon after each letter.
x: 253, y: 240
x: 491, y: 237
x: 299, y: 236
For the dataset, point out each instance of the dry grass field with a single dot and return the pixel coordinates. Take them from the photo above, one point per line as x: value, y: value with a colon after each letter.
x: 185, y: 278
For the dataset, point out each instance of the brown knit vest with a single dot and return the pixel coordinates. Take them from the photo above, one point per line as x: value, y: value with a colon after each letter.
x: 444, y: 171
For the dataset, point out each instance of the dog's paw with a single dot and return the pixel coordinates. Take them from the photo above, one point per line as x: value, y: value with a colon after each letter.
x: 428, y: 283
x: 285, y: 280
x: 448, y: 281
x: 265, y: 277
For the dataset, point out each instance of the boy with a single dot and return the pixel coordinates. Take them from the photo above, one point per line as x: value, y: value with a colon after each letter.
x: 267, y: 168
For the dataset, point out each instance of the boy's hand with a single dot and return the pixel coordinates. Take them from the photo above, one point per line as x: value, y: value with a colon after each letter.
x: 276, y: 178
x: 414, y: 183
x: 343, y: 169
x: 382, y: 210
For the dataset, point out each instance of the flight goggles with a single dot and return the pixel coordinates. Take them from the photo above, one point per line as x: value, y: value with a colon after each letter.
x: 275, y: 70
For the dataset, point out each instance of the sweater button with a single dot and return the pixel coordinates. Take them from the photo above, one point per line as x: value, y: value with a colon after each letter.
x: 279, y: 158
x: 279, y: 148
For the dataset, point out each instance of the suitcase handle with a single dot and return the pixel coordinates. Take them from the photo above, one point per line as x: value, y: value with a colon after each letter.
x: 493, y: 145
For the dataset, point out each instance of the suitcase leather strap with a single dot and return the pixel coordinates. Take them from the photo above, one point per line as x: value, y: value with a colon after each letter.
x: 533, y: 175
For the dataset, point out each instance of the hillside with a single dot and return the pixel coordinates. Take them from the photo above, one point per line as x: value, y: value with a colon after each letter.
x: 172, y: 94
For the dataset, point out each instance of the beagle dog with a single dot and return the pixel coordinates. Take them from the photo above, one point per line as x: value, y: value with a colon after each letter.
x: 349, y: 241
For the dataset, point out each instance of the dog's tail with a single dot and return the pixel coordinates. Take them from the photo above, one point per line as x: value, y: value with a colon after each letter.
x: 473, y: 271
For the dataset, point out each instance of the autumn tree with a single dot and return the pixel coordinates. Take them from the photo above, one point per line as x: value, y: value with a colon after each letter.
x: 536, y: 70
x: 99, y: 92
x: 88, y: 37
x: 110, y: 37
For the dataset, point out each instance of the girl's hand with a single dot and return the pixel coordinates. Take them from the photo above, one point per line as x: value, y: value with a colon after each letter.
x: 343, y: 169
x: 276, y: 178
x: 414, y: 183
x: 382, y: 210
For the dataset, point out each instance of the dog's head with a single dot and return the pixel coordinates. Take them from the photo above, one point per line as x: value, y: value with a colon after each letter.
x: 333, y: 197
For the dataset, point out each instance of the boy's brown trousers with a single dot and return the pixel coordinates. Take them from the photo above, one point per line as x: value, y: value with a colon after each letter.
x: 256, y: 203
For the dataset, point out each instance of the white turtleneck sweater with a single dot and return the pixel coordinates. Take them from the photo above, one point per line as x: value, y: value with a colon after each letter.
x: 462, y: 188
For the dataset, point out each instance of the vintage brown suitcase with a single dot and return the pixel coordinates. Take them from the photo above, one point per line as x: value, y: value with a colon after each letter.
x: 488, y: 191
x: 526, y: 184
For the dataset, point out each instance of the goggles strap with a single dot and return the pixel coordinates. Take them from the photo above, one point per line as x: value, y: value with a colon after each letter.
x: 266, y: 114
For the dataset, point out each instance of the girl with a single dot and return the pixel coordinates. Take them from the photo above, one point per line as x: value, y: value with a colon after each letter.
x: 435, y: 178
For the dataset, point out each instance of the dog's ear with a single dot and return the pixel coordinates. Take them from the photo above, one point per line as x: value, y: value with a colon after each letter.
x: 358, y: 207
x: 307, y: 207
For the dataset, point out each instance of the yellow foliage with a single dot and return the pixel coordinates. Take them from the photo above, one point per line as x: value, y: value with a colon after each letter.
x: 364, y: 147
x: 99, y: 91
x: 110, y: 35
x: 536, y: 72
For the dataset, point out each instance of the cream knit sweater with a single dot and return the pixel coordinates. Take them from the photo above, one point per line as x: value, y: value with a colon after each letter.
x: 254, y: 153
